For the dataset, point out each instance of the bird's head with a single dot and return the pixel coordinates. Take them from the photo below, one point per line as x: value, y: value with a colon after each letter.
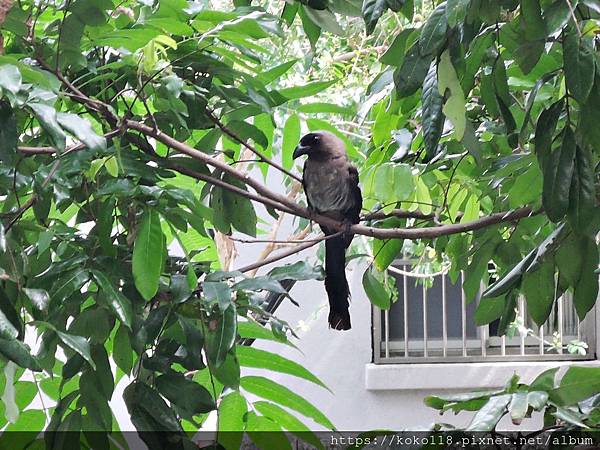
x: 320, y: 144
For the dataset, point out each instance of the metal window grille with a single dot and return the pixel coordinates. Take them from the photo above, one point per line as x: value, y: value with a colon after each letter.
x: 436, y: 324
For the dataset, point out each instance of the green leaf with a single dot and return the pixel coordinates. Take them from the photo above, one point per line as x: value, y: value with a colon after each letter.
x: 544, y: 381
x: 220, y: 336
x: 538, y: 287
x: 262, y: 359
x: 288, y: 422
x: 325, y: 20
x: 46, y: 115
x: 518, y: 407
x: 8, y: 134
x: 375, y: 290
x: 528, y: 54
x: 569, y: 258
x: 252, y: 330
x: 537, y: 399
x: 433, y: 33
x: 544, y: 130
x: 291, y: 137
x: 20, y: 353
x: 7, y: 329
x: 228, y: 373
x: 372, y: 11
x: 82, y: 130
x: 511, y: 279
x: 582, y: 195
x: 558, y: 171
x: 394, y: 55
x: 532, y: 22
x: 307, y: 90
x: 573, y: 417
x: 585, y: 293
x: 579, y: 66
x: 11, y: 409
x: 39, y: 298
x: 232, y: 410
x: 489, y: 309
x: 217, y: 292
x: 409, y: 77
x: 148, y: 255
x: 119, y: 304
x: 190, y: 397
x: 139, y: 397
x: 10, y: 78
x: 576, y: 385
x: 122, y: 353
x: 433, y: 118
x: 79, y: 344
x: 265, y: 433
x: 277, y: 393
x: 299, y: 270
x: 454, y: 109
x: 488, y: 416
x: 456, y: 11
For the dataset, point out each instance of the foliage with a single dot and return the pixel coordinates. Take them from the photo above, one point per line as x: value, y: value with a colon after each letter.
x: 572, y: 402
x: 130, y: 129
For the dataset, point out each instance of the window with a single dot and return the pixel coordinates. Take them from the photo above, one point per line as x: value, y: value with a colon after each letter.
x: 435, y: 324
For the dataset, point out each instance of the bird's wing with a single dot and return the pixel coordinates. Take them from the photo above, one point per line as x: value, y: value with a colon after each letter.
x: 354, y: 212
x: 304, y: 186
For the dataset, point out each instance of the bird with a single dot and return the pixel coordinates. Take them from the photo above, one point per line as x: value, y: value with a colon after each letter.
x: 330, y: 183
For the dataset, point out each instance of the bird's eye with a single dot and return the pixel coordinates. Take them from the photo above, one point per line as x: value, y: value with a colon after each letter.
x: 316, y: 139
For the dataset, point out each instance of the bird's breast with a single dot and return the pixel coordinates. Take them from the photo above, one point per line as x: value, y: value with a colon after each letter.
x: 328, y: 190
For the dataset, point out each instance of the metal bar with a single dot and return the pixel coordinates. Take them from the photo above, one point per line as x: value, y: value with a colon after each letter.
x: 541, y: 336
x: 405, y: 303
x: 483, y: 333
x: 522, y: 315
x: 560, y: 323
x: 444, y: 318
x: 463, y: 311
x: 503, y: 346
x: 386, y: 321
x: 425, y: 355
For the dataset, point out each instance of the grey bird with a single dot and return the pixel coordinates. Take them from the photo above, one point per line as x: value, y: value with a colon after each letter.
x: 330, y: 183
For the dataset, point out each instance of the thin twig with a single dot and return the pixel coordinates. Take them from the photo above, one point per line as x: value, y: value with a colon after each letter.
x: 260, y: 155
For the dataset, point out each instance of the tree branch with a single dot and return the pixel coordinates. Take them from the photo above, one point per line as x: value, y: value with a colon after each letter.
x: 235, y: 137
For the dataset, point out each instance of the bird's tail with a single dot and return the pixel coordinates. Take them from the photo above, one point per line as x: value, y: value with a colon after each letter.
x: 336, y: 283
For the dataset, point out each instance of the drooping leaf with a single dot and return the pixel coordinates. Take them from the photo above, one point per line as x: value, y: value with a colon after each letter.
x: 433, y: 118
x: 456, y: 11
x: 375, y: 290
x: 262, y: 359
x: 582, y: 194
x: 220, y: 336
x: 488, y: 416
x: 119, y: 304
x: 232, y: 410
x: 558, y: 171
x: 544, y: 131
x: 538, y: 287
x: 190, y: 397
x: 277, y: 393
x: 47, y: 117
x: 82, y: 130
x: 433, y: 32
x: 409, y: 77
x: 148, y: 254
x: 291, y: 137
x: 579, y: 65
x: 585, y: 293
x: 577, y: 384
x: 8, y: 134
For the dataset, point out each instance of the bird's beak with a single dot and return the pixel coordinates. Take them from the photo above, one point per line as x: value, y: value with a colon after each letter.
x: 300, y: 150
